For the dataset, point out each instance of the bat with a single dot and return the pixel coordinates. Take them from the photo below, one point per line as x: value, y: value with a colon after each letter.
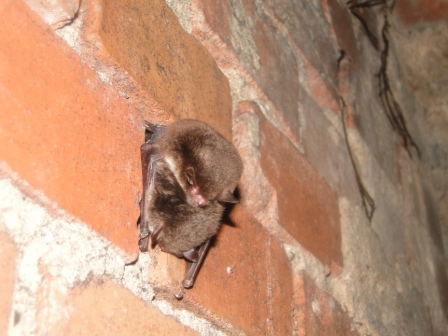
x: 189, y: 172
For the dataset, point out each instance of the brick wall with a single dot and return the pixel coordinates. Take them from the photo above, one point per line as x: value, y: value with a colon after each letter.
x: 298, y: 255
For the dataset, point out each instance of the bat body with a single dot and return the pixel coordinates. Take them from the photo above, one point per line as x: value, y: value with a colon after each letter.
x: 189, y: 171
x: 185, y: 225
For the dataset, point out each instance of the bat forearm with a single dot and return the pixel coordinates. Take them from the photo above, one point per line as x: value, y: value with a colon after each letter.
x: 149, y: 157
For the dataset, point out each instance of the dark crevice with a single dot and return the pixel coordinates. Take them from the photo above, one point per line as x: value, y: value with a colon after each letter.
x: 368, y: 202
x: 390, y: 105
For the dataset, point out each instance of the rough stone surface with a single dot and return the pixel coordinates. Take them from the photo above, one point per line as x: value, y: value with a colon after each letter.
x: 385, y: 281
x: 425, y: 71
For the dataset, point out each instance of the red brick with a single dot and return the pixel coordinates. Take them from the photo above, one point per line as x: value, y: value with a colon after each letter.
x: 257, y: 296
x: 8, y: 257
x: 218, y: 15
x: 308, y: 207
x: 342, y: 22
x: 165, y: 273
x: 414, y: 12
x: 66, y: 133
x: 262, y: 50
x: 310, y: 33
x: 148, y: 41
x: 317, y: 312
x: 108, y: 309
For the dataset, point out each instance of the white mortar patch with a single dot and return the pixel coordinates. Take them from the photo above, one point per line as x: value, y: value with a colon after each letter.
x: 57, y: 252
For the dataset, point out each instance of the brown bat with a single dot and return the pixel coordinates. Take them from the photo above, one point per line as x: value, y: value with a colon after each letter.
x: 189, y: 171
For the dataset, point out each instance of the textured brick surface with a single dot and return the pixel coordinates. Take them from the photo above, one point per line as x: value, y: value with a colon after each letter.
x: 55, y: 13
x: 8, y: 255
x: 262, y: 49
x: 246, y: 279
x: 71, y: 126
x: 316, y: 312
x: 326, y: 149
x: 146, y: 38
x: 421, y: 11
x: 108, y: 309
x: 64, y: 132
x: 311, y: 35
x: 308, y: 207
x: 342, y: 23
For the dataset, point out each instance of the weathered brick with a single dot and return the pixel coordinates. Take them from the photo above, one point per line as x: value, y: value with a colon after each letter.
x: 341, y: 20
x: 8, y: 257
x: 317, y: 312
x: 246, y: 278
x: 148, y: 41
x: 420, y: 11
x: 165, y: 273
x: 55, y: 13
x: 66, y: 133
x: 308, y: 207
x: 368, y: 21
x: 310, y: 32
x: 108, y: 309
x: 439, y: 266
x: 262, y: 49
x: 326, y: 149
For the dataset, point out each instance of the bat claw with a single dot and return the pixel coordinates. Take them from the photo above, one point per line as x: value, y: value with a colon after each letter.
x: 179, y: 296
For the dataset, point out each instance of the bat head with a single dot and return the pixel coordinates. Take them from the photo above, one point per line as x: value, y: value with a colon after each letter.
x: 206, y: 165
x: 204, y: 188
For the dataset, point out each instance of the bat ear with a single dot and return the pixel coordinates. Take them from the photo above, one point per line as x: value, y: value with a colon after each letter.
x: 226, y: 197
x: 189, y: 174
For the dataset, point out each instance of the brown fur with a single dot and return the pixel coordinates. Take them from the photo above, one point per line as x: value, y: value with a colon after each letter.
x: 184, y: 226
x: 217, y: 168
x: 216, y: 162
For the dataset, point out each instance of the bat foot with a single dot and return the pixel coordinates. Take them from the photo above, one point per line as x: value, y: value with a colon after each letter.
x: 187, y: 283
x: 179, y: 296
